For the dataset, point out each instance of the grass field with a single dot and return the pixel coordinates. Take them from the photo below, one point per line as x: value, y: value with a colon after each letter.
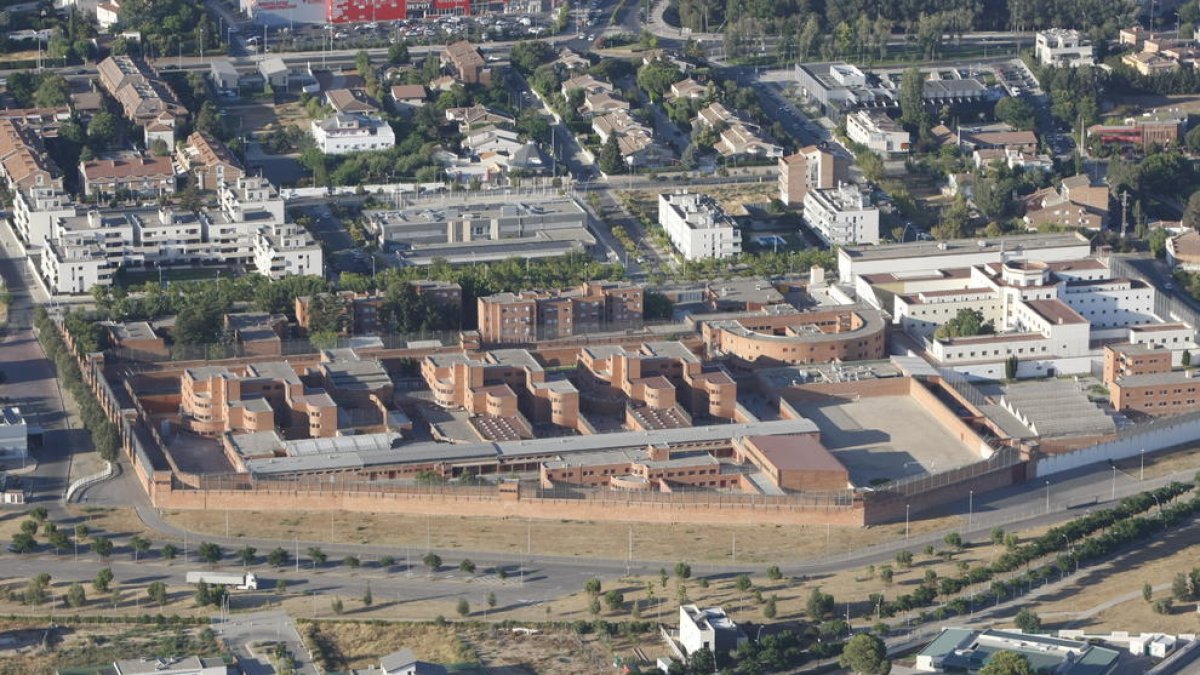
x: 706, y: 543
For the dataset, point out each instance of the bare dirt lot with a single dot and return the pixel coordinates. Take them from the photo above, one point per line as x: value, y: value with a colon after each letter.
x: 886, y: 437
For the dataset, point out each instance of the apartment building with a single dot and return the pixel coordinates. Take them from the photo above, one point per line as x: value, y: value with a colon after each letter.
x: 698, y: 227
x: 141, y: 176
x: 810, y: 168
x: 467, y: 63
x: 344, y: 133
x: 216, y: 400
x: 842, y: 215
x: 1140, y: 378
x: 145, y: 98
x: 737, y: 136
x: 1061, y: 47
x: 283, y: 249
x: 208, y: 161
x: 878, y: 132
x: 529, y: 316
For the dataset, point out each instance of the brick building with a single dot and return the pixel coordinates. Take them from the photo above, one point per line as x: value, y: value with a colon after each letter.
x: 529, y: 316
x: 259, y: 397
x: 1139, y: 378
x: 811, y: 168
x: 768, y: 339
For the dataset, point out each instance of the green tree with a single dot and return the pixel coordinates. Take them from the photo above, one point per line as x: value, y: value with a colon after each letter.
x: 247, y: 555
x: 953, y: 539
x: 866, y: 653
x: 886, y: 574
x: 29, y: 527
x: 904, y: 558
x: 317, y: 556
x: 656, y: 78
x: 53, y: 92
x: 278, y: 557
x: 743, y: 583
x: 169, y: 551
x: 491, y: 600
x: 770, y: 609
x: 1147, y: 592
x: 367, y: 598
x: 398, y: 52
x: 966, y: 323
x: 912, y: 100
x: 433, y: 561
x: 157, y: 592
x: 337, y: 606
x: 103, y: 130
x: 352, y: 562
x: 1007, y: 663
x: 466, y: 566
x: 1016, y: 112
x: 463, y: 607
x: 1028, y: 621
x: 611, y: 162
x: 387, y: 561
x: 1191, y: 212
x: 102, y: 580
x: 818, y: 605
x: 683, y: 570
x: 23, y: 542
x: 140, y: 546
x: 773, y: 573
x: 210, y: 553
x: 102, y: 546
x: 39, y: 514
x: 702, y: 661
x: 614, y: 599
x: 59, y: 540
x: 1185, y: 359
x: 76, y: 596
x: 592, y: 586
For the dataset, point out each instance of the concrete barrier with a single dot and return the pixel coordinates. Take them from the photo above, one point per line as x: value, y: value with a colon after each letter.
x: 88, y: 481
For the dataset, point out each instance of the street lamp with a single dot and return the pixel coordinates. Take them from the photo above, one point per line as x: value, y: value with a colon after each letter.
x: 1142, y: 470
x: 1114, y: 482
x: 970, y: 508
x: 1047, y: 496
x: 907, y: 508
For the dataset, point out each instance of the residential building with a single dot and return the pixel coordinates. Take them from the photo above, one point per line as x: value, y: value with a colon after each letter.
x: 187, y: 665
x: 1150, y: 64
x: 14, y: 434
x: 283, y: 249
x: 275, y: 72
x: 1061, y: 47
x: 708, y: 628
x: 772, y: 338
x: 996, y: 136
x: 408, y: 97
x: 602, y: 103
x: 689, y: 89
x: 1139, y: 378
x: 108, y: 14
x: 145, y: 98
x: 352, y: 102
x: 35, y: 210
x: 476, y: 116
x: 586, y: 83
x: 24, y: 162
x: 224, y: 77
x: 208, y: 161
x: 257, y: 333
x: 44, y: 122
x: 467, y: 63
x: 12, y: 490
x: 1075, y: 203
x: 1183, y: 250
x: 344, y: 133
x: 697, y: 226
x: 570, y: 61
x: 842, y: 215
x: 264, y: 396
x: 964, y: 649
x: 878, y: 132
x: 142, y: 176
x: 403, y: 662
x: 634, y: 139
x: 746, y: 140
x: 529, y: 316
x: 811, y: 168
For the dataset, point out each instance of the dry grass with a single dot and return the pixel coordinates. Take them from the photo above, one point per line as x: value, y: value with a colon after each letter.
x: 593, y: 539
x: 90, y: 645
x: 359, y: 645
x: 1162, y: 463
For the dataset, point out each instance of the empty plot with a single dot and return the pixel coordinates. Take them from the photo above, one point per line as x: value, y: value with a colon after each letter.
x: 886, y: 438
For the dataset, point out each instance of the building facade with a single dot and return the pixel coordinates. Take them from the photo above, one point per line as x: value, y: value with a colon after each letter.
x: 842, y: 215
x: 698, y: 227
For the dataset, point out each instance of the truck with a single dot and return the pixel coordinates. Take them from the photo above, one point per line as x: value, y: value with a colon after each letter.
x: 241, y: 581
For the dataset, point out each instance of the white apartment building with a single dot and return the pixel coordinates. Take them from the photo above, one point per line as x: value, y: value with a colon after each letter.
x: 249, y: 197
x: 283, y: 249
x: 75, y: 263
x: 1062, y: 47
x: 14, y: 434
x: 36, y: 209
x: 842, y: 215
x: 930, y: 258
x: 344, y: 133
x: 879, y: 133
x: 698, y: 227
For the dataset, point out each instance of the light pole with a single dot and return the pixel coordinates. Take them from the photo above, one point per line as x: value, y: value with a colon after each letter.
x: 907, y: 509
x: 1114, y: 482
x: 1142, y: 470
x: 1047, y: 496
x: 970, y: 508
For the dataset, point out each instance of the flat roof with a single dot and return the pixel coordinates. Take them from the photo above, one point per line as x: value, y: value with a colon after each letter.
x: 921, y: 249
x: 796, y: 452
x: 1056, y: 311
x: 1171, y: 377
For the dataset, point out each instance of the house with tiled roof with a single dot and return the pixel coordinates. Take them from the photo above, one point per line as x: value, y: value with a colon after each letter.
x: 146, y: 176
x: 208, y: 161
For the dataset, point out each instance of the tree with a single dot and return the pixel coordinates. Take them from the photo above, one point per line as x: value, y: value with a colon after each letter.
x: 29, y: 527
x: 656, y: 78
x: 463, y: 607
x: 953, y: 539
x: 1007, y: 663
x: 169, y: 551
x: 367, y: 598
x: 1028, y: 621
x: 966, y: 323
x: 76, y: 597
x: 103, y: 130
x: 1191, y: 212
x: 23, y: 542
x: 102, y: 546
x: 157, y: 592
x: 866, y: 653
x: 997, y: 536
x: 1011, y: 364
x: 210, y: 553
x: 102, y: 580
x: 53, y: 92
x: 613, y: 599
x: 1192, y: 139
x: 594, y: 606
x: 1016, y: 112
x: 433, y: 561
x: 886, y: 574
x: 317, y: 556
x: 39, y: 514
x: 398, y: 53
x: 352, y: 562
x: 387, y: 561
x: 702, y: 661
x: 278, y: 557
x: 743, y: 583
x: 1179, y: 587
x: 904, y: 558
x: 912, y: 100
x: 818, y: 605
x: 337, y: 606
x: 281, y: 587
x: 35, y: 593
x: 611, y: 161
x: 491, y: 599
x: 59, y: 540
x: 683, y: 570
x: 247, y: 554
x: 140, y: 545
x: 1147, y: 592
x: 770, y: 610
x: 592, y: 586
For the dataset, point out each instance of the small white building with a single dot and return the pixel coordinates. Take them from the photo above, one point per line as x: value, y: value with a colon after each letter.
x: 1062, y: 47
x: 878, y: 132
x: 842, y: 215
x: 14, y: 435
x: 343, y: 133
x: 285, y: 249
x: 107, y: 15
x: 698, y: 227
x: 708, y: 627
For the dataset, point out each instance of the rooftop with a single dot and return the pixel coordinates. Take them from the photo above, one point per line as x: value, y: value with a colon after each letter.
x: 1015, y: 244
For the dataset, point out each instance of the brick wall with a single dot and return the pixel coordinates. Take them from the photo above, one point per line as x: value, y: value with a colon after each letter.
x: 889, y: 508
